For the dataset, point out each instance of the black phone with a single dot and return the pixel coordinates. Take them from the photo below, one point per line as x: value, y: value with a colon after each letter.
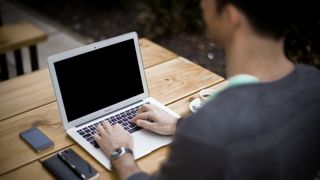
x: 36, y: 139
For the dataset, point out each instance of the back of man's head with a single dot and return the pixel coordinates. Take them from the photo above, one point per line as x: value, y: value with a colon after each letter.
x: 271, y: 17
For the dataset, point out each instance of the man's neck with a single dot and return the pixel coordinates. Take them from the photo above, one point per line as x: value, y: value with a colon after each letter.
x: 261, y: 57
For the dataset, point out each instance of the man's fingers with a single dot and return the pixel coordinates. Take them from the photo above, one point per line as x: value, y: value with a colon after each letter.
x: 100, y: 129
x: 106, y: 125
x: 97, y: 137
x: 145, y: 124
x: 118, y: 126
x: 144, y: 116
x: 143, y: 108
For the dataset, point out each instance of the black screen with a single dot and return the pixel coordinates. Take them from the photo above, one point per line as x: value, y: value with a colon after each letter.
x: 97, y: 79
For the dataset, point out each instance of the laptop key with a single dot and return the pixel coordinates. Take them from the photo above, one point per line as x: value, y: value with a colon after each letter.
x: 90, y: 139
x: 86, y: 135
x: 95, y: 144
x: 134, y: 129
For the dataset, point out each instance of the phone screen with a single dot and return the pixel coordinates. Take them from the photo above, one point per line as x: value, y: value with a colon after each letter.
x: 36, y: 139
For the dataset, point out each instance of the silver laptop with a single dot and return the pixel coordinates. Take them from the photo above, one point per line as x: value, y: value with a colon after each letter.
x: 104, y: 81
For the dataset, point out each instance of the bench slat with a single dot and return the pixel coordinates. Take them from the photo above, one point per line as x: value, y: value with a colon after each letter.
x: 19, y: 35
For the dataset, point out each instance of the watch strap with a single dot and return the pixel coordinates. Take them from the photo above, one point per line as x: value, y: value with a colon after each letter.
x: 117, y: 153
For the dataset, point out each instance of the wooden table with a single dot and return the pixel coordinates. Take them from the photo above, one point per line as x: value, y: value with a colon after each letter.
x: 29, y: 100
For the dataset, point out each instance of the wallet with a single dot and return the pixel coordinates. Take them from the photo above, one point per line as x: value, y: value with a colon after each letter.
x: 64, y: 168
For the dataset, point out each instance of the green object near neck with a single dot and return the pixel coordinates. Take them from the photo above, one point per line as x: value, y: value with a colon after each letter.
x: 237, y: 80
x: 241, y: 79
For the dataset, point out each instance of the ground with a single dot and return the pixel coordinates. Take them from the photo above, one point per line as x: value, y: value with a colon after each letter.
x: 98, y: 20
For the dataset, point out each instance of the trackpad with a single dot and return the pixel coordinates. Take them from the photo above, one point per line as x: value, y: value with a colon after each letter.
x: 145, y: 142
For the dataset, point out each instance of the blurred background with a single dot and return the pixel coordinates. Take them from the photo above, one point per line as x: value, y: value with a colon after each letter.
x: 176, y: 25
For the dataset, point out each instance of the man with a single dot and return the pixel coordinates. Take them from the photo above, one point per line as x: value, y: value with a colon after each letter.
x: 265, y: 130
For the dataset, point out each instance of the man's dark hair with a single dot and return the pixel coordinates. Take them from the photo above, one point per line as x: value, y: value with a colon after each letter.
x: 267, y: 17
x: 298, y: 22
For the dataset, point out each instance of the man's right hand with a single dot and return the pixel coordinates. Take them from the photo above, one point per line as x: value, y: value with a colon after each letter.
x: 155, y: 119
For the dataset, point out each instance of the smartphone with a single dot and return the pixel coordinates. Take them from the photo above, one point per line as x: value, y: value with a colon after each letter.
x: 36, y: 139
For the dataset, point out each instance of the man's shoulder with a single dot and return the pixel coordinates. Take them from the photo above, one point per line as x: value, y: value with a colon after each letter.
x: 215, y: 122
x: 308, y: 75
x: 250, y: 110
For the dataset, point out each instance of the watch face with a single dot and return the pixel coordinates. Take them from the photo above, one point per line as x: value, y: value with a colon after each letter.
x: 119, y: 152
x: 116, y: 153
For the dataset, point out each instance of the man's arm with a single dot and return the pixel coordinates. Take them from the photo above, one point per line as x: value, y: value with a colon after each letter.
x: 126, y: 166
x: 190, y: 158
x: 111, y: 138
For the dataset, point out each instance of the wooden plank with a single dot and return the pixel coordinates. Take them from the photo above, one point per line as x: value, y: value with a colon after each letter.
x: 18, y: 35
x: 30, y: 91
x: 182, y: 106
x: 48, y: 119
x: 177, y: 79
x: 152, y: 162
x: 14, y: 151
x: 157, y: 157
x: 31, y: 171
x: 168, y: 83
x: 35, y: 170
x: 24, y: 93
x: 153, y: 54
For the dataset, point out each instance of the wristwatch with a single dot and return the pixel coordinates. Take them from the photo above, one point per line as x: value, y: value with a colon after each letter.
x: 117, y: 153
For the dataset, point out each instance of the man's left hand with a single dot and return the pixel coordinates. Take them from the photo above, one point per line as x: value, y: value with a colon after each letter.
x: 111, y: 138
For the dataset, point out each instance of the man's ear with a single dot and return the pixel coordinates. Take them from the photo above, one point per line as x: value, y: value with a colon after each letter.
x: 233, y: 15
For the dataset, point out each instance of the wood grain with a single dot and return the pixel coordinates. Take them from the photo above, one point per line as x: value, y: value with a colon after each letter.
x: 170, y: 80
x: 153, y: 54
x: 18, y: 35
x: 182, y: 106
x: 29, y: 100
x: 24, y: 93
x: 177, y: 79
x: 157, y: 157
x: 14, y: 151
x: 168, y: 83
x: 36, y: 171
x: 31, y: 171
x: 153, y: 162
x: 30, y: 91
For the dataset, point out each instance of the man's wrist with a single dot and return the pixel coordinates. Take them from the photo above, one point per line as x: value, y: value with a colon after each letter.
x: 174, y: 127
x: 125, y: 166
x: 117, y: 153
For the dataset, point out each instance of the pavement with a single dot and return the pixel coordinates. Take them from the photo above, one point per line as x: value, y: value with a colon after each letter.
x: 59, y: 38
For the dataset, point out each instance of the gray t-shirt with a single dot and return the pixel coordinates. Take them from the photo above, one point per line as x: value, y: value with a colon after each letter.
x: 258, y: 131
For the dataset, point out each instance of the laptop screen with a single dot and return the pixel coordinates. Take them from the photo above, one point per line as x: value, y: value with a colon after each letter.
x: 98, y: 79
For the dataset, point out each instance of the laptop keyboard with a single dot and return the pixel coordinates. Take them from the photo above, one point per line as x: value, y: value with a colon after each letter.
x: 122, y: 118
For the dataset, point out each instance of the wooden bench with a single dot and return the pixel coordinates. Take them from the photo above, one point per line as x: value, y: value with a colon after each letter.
x: 15, y: 36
